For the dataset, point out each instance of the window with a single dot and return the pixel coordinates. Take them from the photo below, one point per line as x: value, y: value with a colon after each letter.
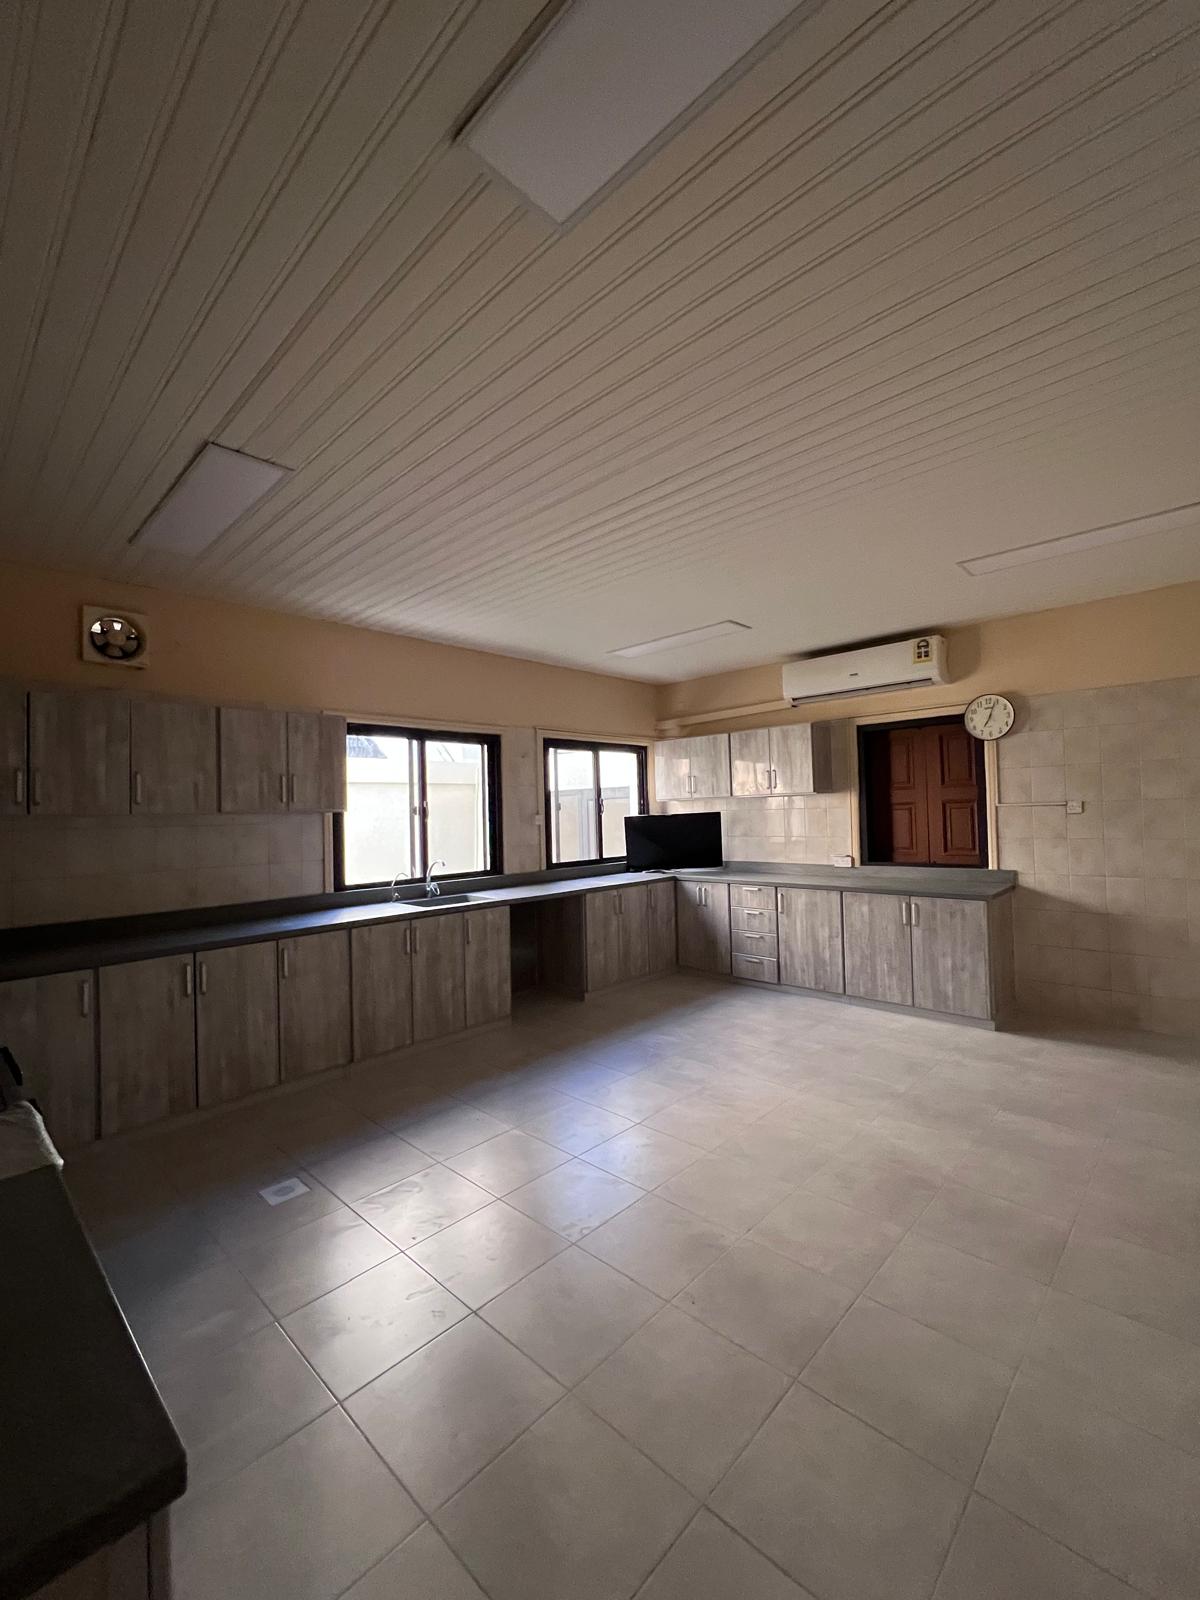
x: 590, y: 790
x: 413, y: 798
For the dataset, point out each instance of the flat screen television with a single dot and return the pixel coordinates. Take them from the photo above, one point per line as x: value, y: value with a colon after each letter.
x: 657, y: 844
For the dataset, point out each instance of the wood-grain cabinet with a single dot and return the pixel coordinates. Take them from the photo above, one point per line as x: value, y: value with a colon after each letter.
x: 794, y: 759
x: 147, y: 1042
x: 173, y: 758
x: 381, y: 988
x: 78, y: 753
x: 314, y: 1003
x: 933, y: 953
x: 487, y: 965
x: 276, y: 761
x: 237, y: 1022
x: 702, y: 926
x: 49, y: 1024
x: 692, y: 769
x: 810, y: 939
x: 14, y: 755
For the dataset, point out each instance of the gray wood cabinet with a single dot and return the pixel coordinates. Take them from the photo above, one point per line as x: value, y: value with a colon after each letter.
x: 49, y: 1024
x: 314, y: 1003
x: 878, y: 947
x: 316, y: 745
x: 253, y: 759
x: 14, y: 727
x: 603, y: 938
x: 702, y: 926
x: 237, y: 1022
x: 750, y: 761
x: 810, y: 939
x: 794, y: 759
x: 78, y: 753
x: 633, y: 923
x: 439, y: 1001
x: 488, y: 965
x: 692, y: 769
x: 147, y: 1042
x: 382, y: 1001
x: 950, y: 961
x: 660, y: 925
x: 173, y: 758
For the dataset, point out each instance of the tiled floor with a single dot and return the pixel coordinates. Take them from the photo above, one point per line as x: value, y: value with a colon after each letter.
x: 691, y: 1293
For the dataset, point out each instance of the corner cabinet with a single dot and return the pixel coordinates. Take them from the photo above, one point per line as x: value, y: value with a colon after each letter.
x: 692, y: 769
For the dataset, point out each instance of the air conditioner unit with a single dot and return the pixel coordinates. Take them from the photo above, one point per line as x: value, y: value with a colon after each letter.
x: 906, y: 664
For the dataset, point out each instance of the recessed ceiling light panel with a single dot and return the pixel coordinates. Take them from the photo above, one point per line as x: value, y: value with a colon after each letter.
x: 676, y: 641
x: 1091, y: 539
x: 217, y: 488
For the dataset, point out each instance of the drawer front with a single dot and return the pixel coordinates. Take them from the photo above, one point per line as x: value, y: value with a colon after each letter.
x: 755, y: 944
x: 752, y: 896
x: 756, y: 967
x: 753, y: 919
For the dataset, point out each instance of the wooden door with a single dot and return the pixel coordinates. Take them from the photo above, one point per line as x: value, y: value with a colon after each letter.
x: 633, y: 929
x: 237, y: 1022
x: 702, y: 922
x: 173, y: 755
x: 439, y: 1005
x: 950, y: 956
x: 660, y: 925
x: 147, y: 1042
x: 78, y: 753
x: 603, y: 935
x: 907, y: 796
x: 316, y: 761
x: 924, y: 792
x: 810, y: 939
x: 708, y: 766
x: 671, y: 769
x: 14, y: 726
x: 878, y: 947
x: 253, y: 756
x: 750, y: 761
x: 314, y: 1003
x: 488, y: 964
x: 381, y: 968
x: 49, y: 1024
x: 953, y: 762
x: 802, y: 758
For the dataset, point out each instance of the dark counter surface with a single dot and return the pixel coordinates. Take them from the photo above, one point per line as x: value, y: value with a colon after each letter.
x: 952, y: 883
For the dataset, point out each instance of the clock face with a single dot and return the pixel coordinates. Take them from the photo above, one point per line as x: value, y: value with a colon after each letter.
x: 989, y: 716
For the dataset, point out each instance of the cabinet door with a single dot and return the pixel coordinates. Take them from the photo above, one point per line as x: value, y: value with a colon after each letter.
x: 381, y: 964
x: 14, y: 724
x: 314, y: 1003
x: 708, y: 764
x: 78, y: 753
x: 702, y: 913
x: 316, y: 761
x: 878, y: 947
x: 633, y: 931
x: 237, y: 1022
x: 750, y: 761
x: 49, y: 1025
x: 439, y: 1005
x: 253, y: 744
x: 802, y: 758
x: 950, y: 956
x: 603, y: 933
x: 661, y: 925
x: 147, y: 1042
x: 810, y: 939
x: 488, y: 961
x: 671, y: 770
x: 173, y: 757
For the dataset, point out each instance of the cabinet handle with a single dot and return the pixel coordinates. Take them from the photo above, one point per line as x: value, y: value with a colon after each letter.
x: 36, y: 787
x: 283, y: 961
x: 187, y: 979
x: 19, y: 786
x: 774, y: 778
x: 904, y: 913
x: 85, y: 998
x: 283, y: 788
x: 754, y: 936
x: 293, y: 789
x: 914, y: 913
x: 137, y: 788
x: 408, y: 941
x: 204, y: 977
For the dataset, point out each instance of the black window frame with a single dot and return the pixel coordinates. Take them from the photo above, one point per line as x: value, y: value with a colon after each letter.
x: 424, y: 737
x: 595, y: 746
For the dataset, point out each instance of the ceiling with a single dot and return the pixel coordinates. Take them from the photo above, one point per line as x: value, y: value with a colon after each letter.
x: 921, y: 284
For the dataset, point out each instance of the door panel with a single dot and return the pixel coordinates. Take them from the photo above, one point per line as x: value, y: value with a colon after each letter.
x: 316, y: 744
x: 78, y: 753
x: 953, y: 760
x: 634, y: 932
x: 439, y: 1002
x: 878, y: 947
x: 702, y: 913
x: 49, y: 1024
x: 810, y: 939
x: 237, y: 1022
x: 488, y: 961
x: 907, y: 797
x: 603, y: 933
x: 661, y: 925
x: 750, y: 761
x: 671, y: 769
x: 147, y: 1042
x: 253, y: 750
x: 708, y: 762
x: 950, y: 956
x: 173, y: 757
x: 381, y: 965
x: 14, y: 722
x: 314, y: 1003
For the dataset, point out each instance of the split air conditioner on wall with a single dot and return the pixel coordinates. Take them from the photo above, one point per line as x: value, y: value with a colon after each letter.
x: 905, y: 664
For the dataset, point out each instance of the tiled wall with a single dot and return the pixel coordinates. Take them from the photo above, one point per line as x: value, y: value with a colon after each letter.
x: 57, y: 871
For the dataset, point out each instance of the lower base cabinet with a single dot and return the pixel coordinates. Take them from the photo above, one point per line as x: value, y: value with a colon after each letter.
x: 49, y: 1024
x: 147, y: 1042
x: 878, y: 947
x: 381, y: 988
x: 702, y: 921
x: 237, y: 1022
x: 660, y: 925
x: 487, y: 964
x: 950, y: 956
x: 810, y: 939
x: 314, y: 1003
x: 438, y: 976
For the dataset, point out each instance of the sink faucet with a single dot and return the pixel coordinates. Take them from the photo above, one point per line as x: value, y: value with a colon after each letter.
x: 432, y: 888
x: 395, y: 881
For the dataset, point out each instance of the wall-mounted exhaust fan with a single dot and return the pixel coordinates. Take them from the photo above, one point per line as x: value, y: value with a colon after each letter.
x: 112, y: 637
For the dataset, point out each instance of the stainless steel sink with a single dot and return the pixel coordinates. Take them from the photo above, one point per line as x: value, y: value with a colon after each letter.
x: 431, y: 902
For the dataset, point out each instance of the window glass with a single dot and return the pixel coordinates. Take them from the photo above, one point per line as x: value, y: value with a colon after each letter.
x: 590, y: 790
x: 573, y: 804
x: 456, y: 793
x: 620, y: 791
x: 378, y: 833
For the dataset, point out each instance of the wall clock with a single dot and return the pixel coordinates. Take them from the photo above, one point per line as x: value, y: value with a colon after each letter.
x: 989, y: 716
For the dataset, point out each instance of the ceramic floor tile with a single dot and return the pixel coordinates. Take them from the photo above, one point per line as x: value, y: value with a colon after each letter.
x: 574, y: 1198
x: 726, y: 1190
x: 422, y: 1205
x: 233, y: 1405
x: 300, y: 1523
x: 450, y: 1131
x: 699, y: 1120
x: 841, y: 1241
x: 356, y: 1332
x: 299, y: 1266
x: 370, y: 1165
x: 685, y: 1396
x: 642, y: 1156
x: 660, y: 1245
x: 922, y: 1388
x: 507, y: 1161
x: 198, y: 1315
x: 1007, y: 1235
x: 450, y: 1408
x: 569, y: 1510
x: 981, y: 1305
x: 242, y: 1215
x: 881, y: 1187
x: 846, y: 1512
x: 996, y: 1557
x: 632, y: 1097
x: 577, y: 1126
x: 423, y: 1568
x: 1034, y: 1182
x: 710, y: 1562
x: 1157, y: 1289
x: 571, y: 1313
x: 484, y: 1254
x: 767, y: 1303
x: 1115, y: 1495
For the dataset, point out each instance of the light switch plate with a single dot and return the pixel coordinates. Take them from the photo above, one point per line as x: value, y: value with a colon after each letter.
x: 1074, y: 808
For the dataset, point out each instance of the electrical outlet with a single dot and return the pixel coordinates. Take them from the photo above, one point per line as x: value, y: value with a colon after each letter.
x: 1074, y: 808
x: 842, y: 861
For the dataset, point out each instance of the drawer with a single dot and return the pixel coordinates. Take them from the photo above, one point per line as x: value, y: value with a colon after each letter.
x: 753, y: 919
x: 757, y: 967
x: 755, y: 944
x: 752, y: 896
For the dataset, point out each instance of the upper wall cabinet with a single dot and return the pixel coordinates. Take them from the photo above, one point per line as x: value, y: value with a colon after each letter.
x: 174, y: 758
x: 795, y: 759
x: 254, y: 760
x: 692, y: 769
x: 14, y: 786
x: 78, y: 753
x: 316, y: 761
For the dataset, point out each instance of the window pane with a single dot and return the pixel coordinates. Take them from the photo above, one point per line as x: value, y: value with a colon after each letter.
x: 572, y: 805
x: 378, y: 827
x: 456, y: 789
x: 619, y: 797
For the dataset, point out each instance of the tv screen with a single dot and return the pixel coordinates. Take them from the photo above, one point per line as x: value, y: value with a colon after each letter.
x: 657, y: 844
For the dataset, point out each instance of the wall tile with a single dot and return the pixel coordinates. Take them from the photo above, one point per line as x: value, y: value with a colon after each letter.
x: 1079, y: 709
x: 1166, y: 897
x: 1089, y: 929
x: 1123, y: 856
x: 1160, y: 741
x: 1118, y: 704
x: 1129, y: 974
x: 1016, y: 785
x: 1165, y: 819
x: 1126, y: 895
x: 1049, y: 784
x: 1082, y: 746
x: 1050, y: 856
x: 1046, y: 749
x: 1165, y: 858
x: 1086, y: 857
x: 1092, y: 969
x: 1120, y: 743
